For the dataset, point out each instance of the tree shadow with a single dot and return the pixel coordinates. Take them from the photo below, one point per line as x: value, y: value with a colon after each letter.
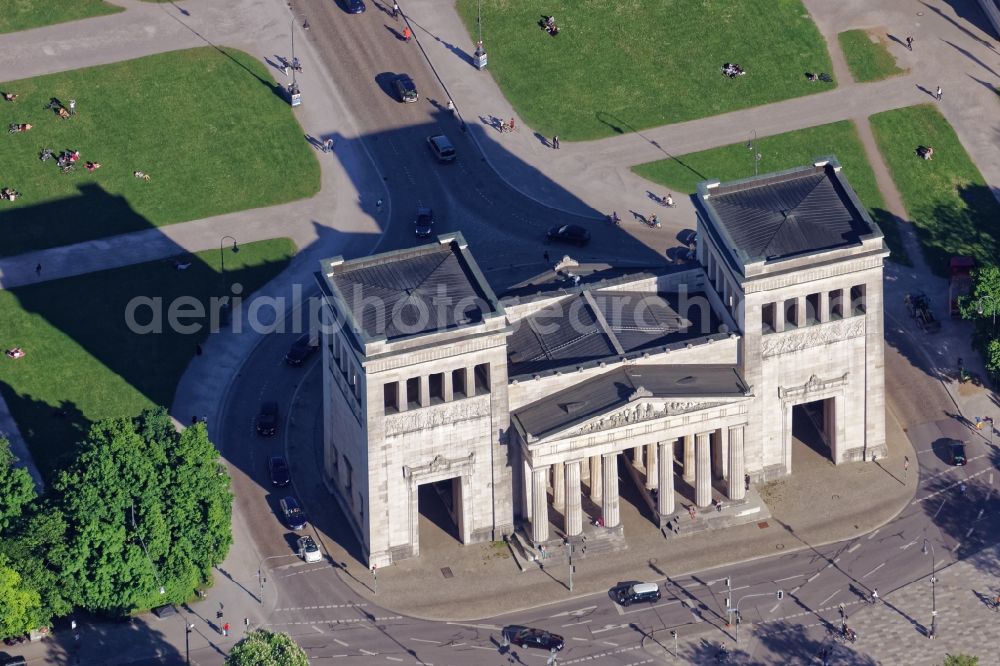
x: 796, y: 646
x: 971, y: 12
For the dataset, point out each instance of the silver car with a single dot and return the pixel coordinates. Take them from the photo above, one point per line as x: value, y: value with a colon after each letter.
x: 308, y: 550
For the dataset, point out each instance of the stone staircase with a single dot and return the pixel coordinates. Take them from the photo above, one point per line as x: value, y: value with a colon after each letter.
x: 594, y: 542
x: 728, y: 513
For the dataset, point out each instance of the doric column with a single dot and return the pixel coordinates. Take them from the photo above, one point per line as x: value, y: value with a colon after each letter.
x: 637, y: 456
x: 688, y: 458
x: 779, y: 316
x: 724, y: 451
x: 574, y: 508
x: 558, y: 486
x: 425, y: 391
x: 703, y: 469
x: 652, y: 475
x: 665, y: 469
x: 595, y: 478
x: 823, y: 315
x: 801, y: 315
x: 737, y: 469
x: 609, y: 504
x: 540, y: 504
x: 446, y: 387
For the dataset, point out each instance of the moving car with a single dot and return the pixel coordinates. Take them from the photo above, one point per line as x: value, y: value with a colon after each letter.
x: 280, y: 476
x: 958, y: 454
x: 631, y: 593
x: 354, y: 6
x: 308, y: 550
x: 301, y: 349
x: 267, y: 419
x: 569, y: 233
x: 405, y: 88
x: 536, y: 638
x: 441, y: 147
x: 294, y: 516
x: 424, y: 224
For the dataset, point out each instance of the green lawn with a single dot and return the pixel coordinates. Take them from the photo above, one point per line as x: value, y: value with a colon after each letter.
x: 947, y: 198
x: 206, y: 125
x: 81, y: 356
x: 868, y: 60
x: 624, y: 66
x: 779, y: 152
x: 18, y: 15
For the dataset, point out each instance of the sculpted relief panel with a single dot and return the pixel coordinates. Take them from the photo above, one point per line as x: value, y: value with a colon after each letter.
x: 643, y: 411
x: 812, y: 336
x: 437, y: 415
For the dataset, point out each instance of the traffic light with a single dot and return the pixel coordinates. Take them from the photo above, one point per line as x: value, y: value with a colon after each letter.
x: 781, y: 595
x: 728, y: 582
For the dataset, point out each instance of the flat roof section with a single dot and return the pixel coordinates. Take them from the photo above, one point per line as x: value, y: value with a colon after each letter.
x: 781, y: 215
x: 594, y: 325
x: 604, y: 393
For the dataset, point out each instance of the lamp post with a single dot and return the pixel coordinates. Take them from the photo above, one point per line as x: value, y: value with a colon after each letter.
x: 752, y: 146
x: 188, y: 628
x: 923, y: 549
x: 222, y: 254
x: 479, y: 56
x: 294, y: 94
x: 780, y: 595
x: 260, y: 573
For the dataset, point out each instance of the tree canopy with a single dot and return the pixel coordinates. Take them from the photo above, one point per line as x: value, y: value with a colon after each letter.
x: 961, y: 660
x: 19, y: 604
x: 982, y: 306
x: 17, y: 490
x: 147, y: 508
x: 266, y: 648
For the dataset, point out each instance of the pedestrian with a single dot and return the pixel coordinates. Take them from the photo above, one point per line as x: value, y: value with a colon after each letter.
x: 225, y: 629
x: 961, y: 487
x: 909, y: 43
x: 395, y: 10
x: 378, y: 205
x: 72, y: 107
x: 937, y: 94
x: 38, y: 270
x: 288, y: 70
x: 328, y: 145
x: 451, y: 107
x: 545, y: 256
x: 906, y: 464
x: 555, y: 142
x: 305, y: 24
x: 746, y: 482
x: 407, y: 33
x: 197, y: 349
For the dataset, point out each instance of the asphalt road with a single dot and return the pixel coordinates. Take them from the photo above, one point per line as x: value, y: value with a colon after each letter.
x: 506, y: 229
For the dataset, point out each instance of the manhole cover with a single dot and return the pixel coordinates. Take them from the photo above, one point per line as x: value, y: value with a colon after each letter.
x: 446, y: 572
x: 763, y: 525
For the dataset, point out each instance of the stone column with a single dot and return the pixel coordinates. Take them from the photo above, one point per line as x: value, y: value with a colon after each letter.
x: 724, y: 451
x: 800, y: 312
x: 574, y: 508
x: 652, y: 476
x: 446, y: 386
x: 558, y: 486
x: 637, y: 457
x: 425, y: 391
x: 665, y: 469
x: 779, y: 316
x: 540, y: 504
x: 824, y: 307
x: 703, y: 465
x: 737, y: 470
x: 595, y: 478
x: 689, y: 458
x: 609, y: 505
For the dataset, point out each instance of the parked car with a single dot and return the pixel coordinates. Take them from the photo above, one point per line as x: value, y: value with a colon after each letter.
x: 164, y: 611
x: 536, y: 638
x: 958, y: 454
x: 423, y: 225
x: 280, y: 476
x: 355, y: 6
x: 405, y: 88
x: 442, y: 148
x: 631, y: 593
x: 308, y: 550
x: 301, y: 349
x: 569, y: 233
x: 294, y: 516
x: 267, y: 419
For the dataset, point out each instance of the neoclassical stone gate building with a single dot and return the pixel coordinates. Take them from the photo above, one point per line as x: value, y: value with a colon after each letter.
x: 521, y: 407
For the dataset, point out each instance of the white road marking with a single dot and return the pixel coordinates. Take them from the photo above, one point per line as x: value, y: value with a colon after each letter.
x: 491, y: 627
x: 394, y: 659
x: 907, y: 545
x: 577, y: 639
x: 872, y: 535
x: 941, y: 506
x: 340, y: 642
x: 733, y: 589
x: 782, y: 580
x: 795, y: 589
x: 774, y: 608
x: 610, y: 643
x: 578, y: 611
x: 854, y: 547
x: 480, y: 647
x: 318, y: 607
x: 874, y: 570
x: 829, y: 597
x: 969, y: 533
x: 367, y: 652
x: 609, y: 627
x: 422, y: 640
x: 812, y: 578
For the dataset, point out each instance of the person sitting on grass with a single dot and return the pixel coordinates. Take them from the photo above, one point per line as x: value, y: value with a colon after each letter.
x: 16, y: 352
x: 141, y: 175
x: 925, y: 152
x: 92, y: 166
x: 9, y: 194
x: 9, y: 96
x: 63, y: 112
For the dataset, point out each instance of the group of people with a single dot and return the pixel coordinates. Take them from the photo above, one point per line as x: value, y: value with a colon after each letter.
x: 732, y: 70
x: 9, y: 194
x: 15, y: 128
x: 16, y: 352
x: 925, y: 152
x: 549, y: 25
x: 507, y: 126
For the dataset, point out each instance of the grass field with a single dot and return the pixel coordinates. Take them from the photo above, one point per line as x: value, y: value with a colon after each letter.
x: 947, y: 198
x: 206, y: 126
x: 81, y: 357
x: 779, y: 152
x: 624, y: 66
x: 868, y: 60
x: 26, y: 14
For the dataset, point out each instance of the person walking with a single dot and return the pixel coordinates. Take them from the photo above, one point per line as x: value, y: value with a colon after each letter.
x: 909, y: 43
x: 225, y: 629
x: 407, y: 34
x: 395, y: 10
x: 38, y: 270
x: 328, y: 146
x: 545, y: 256
x: 937, y: 94
x: 555, y: 142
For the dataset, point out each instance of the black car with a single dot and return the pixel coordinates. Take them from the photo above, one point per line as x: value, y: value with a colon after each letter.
x: 442, y: 148
x: 301, y: 349
x: 423, y: 225
x: 355, y: 6
x: 267, y: 419
x: 958, y: 454
x: 569, y: 233
x: 293, y: 514
x: 631, y: 593
x: 406, y: 89
x: 280, y: 476
x: 536, y: 638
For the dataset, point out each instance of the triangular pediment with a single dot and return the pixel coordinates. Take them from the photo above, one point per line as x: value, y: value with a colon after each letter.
x: 637, y: 411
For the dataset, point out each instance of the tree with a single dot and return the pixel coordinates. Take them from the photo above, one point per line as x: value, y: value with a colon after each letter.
x: 982, y: 306
x: 961, y: 660
x: 266, y: 648
x: 17, y: 490
x: 147, y: 510
x: 18, y: 604
x: 36, y: 548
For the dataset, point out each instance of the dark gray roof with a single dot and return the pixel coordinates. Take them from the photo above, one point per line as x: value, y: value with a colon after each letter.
x: 606, y: 392
x: 591, y: 326
x: 790, y: 213
x: 425, y: 289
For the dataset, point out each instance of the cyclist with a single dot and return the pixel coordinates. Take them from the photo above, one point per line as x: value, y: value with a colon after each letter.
x: 874, y: 595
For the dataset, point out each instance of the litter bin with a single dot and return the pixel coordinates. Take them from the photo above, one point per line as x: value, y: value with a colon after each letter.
x: 294, y: 95
x: 479, y: 58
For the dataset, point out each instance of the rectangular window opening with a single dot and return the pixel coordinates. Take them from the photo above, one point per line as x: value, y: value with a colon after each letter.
x: 413, y: 392
x: 436, y: 387
x: 390, y: 399
x: 792, y: 313
x: 858, y: 305
x: 767, y: 318
x: 836, y: 304
x: 482, y: 373
x: 812, y: 309
x: 458, y: 387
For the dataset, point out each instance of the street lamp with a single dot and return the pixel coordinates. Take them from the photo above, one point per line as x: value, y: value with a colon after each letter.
x: 752, y: 147
x: 923, y: 549
x: 260, y: 574
x: 779, y: 596
x: 222, y: 255
x: 188, y: 628
x: 479, y: 56
x: 294, y: 94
